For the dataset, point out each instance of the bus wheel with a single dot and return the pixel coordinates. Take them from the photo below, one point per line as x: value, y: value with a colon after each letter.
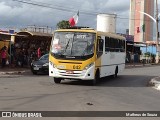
x: 116, y: 72
x: 57, y: 80
x: 97, y: 77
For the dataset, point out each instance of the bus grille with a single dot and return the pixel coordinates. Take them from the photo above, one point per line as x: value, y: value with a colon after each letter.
x: 74, y: 74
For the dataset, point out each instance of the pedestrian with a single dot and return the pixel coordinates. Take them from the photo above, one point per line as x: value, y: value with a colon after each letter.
x: 39, y: 52
x: 3, y: 56
x: 132, y: 57
x: 12, y: 53
x: 20, y: 59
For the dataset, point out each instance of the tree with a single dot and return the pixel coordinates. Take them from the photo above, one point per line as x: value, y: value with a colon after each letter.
x: 63, y: 24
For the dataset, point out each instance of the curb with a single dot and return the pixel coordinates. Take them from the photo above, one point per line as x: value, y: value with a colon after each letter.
x: 9, y: 76
x: 12, y: 72
x: 155, y: 83
x: 129, y: 66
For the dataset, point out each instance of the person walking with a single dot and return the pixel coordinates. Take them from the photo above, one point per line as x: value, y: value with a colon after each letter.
x: 3, y: 56
x: 39, y: 52
x: 20, y: 60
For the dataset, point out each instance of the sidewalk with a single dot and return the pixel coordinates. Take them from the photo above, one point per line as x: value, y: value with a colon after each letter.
x: 14, y: 70
x: 155, y: 83
x: 134, y: 65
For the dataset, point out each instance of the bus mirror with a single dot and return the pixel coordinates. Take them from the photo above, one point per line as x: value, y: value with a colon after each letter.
x: 101, y: 44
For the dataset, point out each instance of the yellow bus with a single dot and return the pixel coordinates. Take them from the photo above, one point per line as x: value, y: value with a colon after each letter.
x: 85, y: 54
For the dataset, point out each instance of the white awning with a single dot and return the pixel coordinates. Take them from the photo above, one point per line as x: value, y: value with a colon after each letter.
x: 139, y: 45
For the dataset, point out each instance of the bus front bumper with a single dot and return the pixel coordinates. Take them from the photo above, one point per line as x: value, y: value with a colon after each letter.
x: 67, y: 74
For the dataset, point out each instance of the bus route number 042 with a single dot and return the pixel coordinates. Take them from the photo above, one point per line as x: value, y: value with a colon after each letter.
x: 77, y: 67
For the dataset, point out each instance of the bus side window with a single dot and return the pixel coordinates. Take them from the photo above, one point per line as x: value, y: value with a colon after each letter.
x: 107, y: 44
x: 112, y: 46
x: 122, y: 45
x: 116, y: 45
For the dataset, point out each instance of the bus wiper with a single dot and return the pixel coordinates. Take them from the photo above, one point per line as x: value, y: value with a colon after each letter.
x: 66, y: 47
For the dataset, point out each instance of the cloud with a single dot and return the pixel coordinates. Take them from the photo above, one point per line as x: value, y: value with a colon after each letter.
x: 17, y: 14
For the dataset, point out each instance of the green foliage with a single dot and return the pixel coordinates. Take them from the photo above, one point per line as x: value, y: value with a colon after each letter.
x: 143, y: 27
x: 63, y: 24
x: 149, y: 54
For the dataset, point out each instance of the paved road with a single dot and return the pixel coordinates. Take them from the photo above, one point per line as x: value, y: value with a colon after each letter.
x: 128, y: 92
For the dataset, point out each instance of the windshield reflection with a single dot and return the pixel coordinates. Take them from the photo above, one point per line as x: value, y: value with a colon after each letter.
x: 72, y: 44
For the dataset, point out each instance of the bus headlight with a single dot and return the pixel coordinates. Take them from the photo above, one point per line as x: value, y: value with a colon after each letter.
x: 52, y: 64
x: 88, y: 66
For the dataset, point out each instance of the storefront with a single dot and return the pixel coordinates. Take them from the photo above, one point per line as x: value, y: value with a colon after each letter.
x: 25, y: 43
x: 29, y: 42
x: 5, y: 38
x: 133, y: 49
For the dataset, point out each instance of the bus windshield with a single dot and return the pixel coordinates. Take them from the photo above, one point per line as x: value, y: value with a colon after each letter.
x: 72, y: 44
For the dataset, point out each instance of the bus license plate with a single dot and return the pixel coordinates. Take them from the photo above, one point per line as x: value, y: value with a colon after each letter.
x: 69, y: 72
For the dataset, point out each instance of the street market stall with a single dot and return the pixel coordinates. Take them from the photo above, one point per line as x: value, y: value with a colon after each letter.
x: 27, y: 42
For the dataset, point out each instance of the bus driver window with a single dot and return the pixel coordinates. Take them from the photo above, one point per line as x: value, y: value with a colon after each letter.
x: 100, y: 46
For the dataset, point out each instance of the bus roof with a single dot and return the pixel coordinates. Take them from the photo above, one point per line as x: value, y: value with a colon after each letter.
x: 76, y: 30
x: 91, y: 30
x: 113, y: 35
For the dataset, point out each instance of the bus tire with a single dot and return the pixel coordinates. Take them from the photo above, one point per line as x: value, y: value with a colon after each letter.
x: 116, y: 72
x: 96, y: 79
x: 57, y: 80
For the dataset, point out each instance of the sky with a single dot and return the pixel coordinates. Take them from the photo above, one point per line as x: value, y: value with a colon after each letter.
x: 15, y: 14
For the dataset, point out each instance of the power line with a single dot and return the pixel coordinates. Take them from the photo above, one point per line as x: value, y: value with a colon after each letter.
x: 54, y: 7
x: 62, y: 8
x: 57, y: 5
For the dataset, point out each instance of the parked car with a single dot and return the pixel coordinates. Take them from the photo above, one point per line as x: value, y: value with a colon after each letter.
x: 41, y: 65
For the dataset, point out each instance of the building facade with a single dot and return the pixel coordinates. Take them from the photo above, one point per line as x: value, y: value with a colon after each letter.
x: 140, y: 25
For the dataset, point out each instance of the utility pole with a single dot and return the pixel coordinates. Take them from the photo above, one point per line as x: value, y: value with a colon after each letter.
x: 157, y: 34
